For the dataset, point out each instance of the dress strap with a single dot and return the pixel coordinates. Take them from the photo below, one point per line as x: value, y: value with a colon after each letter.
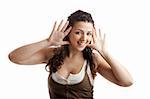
x: 88, y: 70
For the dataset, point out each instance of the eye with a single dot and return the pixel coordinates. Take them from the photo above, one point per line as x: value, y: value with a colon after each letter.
x: 77, y: 32
x: 89, y: 33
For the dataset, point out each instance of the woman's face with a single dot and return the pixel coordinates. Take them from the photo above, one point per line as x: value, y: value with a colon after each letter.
x: 81, y: 35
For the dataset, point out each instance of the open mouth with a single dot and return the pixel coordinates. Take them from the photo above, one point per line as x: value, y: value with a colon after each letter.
x: 82, y: 44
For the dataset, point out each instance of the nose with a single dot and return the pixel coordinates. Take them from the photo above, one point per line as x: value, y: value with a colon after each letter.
x: 83, y: 37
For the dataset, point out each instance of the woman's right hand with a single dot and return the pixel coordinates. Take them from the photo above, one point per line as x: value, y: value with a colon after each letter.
x: 58, y: 33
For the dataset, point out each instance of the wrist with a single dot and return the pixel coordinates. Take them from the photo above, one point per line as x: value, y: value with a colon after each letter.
x: 104, y: 53
x: 49, y: 43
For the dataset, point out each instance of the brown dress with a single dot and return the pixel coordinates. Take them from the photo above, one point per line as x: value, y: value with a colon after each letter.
x: 82, y: 90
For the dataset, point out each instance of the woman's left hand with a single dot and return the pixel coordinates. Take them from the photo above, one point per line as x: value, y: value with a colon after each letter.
x: 98, y: 42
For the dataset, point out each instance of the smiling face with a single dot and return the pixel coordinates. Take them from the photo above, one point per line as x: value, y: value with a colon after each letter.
x: 80, y: 35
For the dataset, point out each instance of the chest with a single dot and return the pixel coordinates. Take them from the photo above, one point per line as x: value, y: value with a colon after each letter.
x: 71, y: 67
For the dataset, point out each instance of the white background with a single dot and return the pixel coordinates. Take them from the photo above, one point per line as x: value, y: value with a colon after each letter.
x: 125, y: 22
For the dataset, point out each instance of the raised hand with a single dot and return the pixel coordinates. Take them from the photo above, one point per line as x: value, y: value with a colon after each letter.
x: 98, y: 42
x: 58, y: 33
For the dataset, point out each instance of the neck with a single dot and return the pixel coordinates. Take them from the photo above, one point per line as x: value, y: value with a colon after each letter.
x: 74, y: 52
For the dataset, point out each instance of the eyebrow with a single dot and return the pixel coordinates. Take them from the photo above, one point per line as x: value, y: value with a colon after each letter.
x: 82, y: 30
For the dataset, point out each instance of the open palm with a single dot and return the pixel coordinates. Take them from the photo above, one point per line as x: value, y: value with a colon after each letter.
x: 58, y: 34
x: 98, y: 42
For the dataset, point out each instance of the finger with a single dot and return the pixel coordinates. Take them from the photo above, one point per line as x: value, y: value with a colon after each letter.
x: 95, y: 32
x: 65, y: 26
x: 65, y: 43
x: 60, y: 25
x: 94, y: 36
x: 99, y: 34
x: 92, y: 41
x: 104, y: 39
x: 90, y: 45
x: 67, y: 31
x: 54, y: 28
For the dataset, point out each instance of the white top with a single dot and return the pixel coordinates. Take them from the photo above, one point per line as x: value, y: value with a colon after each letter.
x: 73, y: 78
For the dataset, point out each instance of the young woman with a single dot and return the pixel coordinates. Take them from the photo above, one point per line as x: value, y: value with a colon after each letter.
x: 74, y: 52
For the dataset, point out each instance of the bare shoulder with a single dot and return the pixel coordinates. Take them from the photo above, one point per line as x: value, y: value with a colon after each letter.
x: 97, y: 57
x: 100, y: 62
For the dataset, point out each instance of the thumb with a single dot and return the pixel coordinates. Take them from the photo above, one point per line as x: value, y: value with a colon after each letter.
x: 91, y: 46
x: 65, y: 43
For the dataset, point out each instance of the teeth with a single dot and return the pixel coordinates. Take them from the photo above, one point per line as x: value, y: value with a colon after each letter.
x: 81, y: 43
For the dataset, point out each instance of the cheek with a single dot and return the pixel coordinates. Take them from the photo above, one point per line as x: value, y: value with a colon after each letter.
x: 90, y: 39
x: 73, y: 39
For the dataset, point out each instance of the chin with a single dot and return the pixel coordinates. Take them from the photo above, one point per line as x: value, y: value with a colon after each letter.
x: 81, y: 48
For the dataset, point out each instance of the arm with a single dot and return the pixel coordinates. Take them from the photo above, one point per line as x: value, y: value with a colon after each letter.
x: 107, y: 66
x: 40, y: 52
x: 34, y: 53
x: 112, y: 70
